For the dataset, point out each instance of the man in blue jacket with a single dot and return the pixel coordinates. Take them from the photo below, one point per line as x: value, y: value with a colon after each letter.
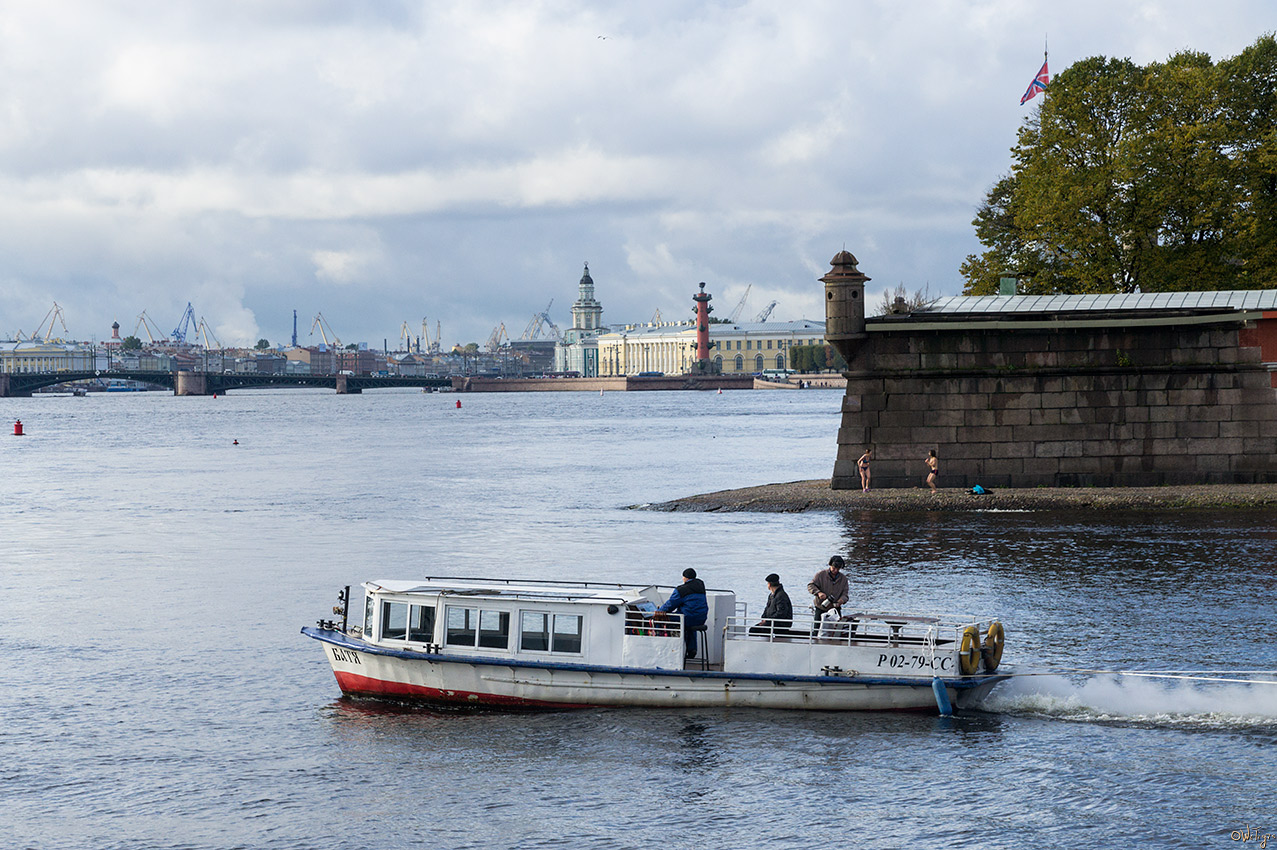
x: 689, y: 600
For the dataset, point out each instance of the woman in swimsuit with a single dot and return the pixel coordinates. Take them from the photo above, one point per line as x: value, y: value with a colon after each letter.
x: 863, y: 464
x: 933, y: 464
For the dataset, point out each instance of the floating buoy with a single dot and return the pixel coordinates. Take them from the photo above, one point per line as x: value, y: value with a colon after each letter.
x: 458, y: 404
x: 720, y: 390
x: 17, y: 428
x: 214, y: 395
x: 600, y: 391
x: 234, y: 442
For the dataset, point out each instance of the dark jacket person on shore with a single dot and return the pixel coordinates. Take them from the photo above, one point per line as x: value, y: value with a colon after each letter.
x: 689, y: 600
x: 778, y: 615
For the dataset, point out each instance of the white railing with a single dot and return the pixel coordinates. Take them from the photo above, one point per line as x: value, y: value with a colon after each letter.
x: 861, y: 628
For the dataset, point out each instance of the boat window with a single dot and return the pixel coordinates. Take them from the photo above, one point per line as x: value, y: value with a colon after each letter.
x: 494, y: 629
x: 567, y: 633
x: 368, y: 609
x: 534, y: 631
x: 421, y: 623
x: 394, y: 620
x: 461, y: 626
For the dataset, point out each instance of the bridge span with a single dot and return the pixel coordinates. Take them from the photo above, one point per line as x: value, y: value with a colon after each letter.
x: 23, y: 384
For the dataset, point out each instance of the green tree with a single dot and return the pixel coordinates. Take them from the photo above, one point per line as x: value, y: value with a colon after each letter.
x: 131, y: 343
x: 1157, y: 178
x: 262, y: 344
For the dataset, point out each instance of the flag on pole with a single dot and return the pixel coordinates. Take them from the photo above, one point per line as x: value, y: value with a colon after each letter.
x: 1038, y: 85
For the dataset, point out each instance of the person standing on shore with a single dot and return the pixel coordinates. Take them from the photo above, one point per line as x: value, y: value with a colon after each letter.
x: 863, y: 466
x: 933, y: 465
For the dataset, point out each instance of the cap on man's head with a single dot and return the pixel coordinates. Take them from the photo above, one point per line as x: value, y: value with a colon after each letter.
x: 837, y: 561
x: 689, y: 573
x: 772, y: 578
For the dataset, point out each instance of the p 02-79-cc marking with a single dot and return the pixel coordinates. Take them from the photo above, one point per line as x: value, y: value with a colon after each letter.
x: 912, y: 661
x: 345, y: 655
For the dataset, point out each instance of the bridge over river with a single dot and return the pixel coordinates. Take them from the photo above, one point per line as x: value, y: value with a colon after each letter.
x: 211, y: 383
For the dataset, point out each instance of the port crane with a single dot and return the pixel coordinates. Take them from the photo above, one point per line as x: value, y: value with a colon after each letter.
x: 53, y: 316
x: 767, y: 311
x: 204, y: 330
x: 187, y: 322
x: 498, y: 335
x: 145, y: 323
x: 324, y: 330
x: 740, y: 306
x: 540, y: 322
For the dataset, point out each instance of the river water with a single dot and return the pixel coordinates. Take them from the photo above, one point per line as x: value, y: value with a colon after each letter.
x: 157, y: 694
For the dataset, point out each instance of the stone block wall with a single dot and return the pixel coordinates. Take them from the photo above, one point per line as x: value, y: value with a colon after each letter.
x: 1102, y: 406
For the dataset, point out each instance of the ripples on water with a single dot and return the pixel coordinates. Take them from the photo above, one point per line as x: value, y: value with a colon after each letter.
x: 157, y: 692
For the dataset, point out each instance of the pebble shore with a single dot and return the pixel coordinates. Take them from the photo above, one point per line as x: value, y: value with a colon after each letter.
x: 799, y: 496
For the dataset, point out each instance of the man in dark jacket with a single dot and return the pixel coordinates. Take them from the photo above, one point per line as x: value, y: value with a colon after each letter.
x: 689, y: 600
x: 778, y: 616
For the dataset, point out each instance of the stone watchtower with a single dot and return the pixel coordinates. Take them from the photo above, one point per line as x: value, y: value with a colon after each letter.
x: 845, y: 305
x: 845, y: 331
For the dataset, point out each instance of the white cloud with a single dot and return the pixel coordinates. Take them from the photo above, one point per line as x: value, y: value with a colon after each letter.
x: 460, y: 159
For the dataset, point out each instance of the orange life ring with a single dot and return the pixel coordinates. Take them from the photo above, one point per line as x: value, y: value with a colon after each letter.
x: 969, y: 654
x: 993, y: 641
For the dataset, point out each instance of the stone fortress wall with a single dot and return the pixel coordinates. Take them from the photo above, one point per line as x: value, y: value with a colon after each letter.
x: 1137, y: 397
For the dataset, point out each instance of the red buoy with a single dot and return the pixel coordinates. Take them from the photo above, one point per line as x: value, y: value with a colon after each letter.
x: 458, y: 404
x: 17, y: 428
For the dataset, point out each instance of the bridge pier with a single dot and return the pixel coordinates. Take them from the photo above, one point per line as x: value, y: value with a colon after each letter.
x: 190, y: 383
x: 344, y: 389
x: 7, y: 390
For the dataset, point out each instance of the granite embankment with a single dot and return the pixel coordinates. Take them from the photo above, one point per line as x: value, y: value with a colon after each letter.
x: 799, y: 496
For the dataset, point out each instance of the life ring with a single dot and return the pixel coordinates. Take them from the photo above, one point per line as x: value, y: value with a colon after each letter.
x: 993, y: 641
x: 969, y: 654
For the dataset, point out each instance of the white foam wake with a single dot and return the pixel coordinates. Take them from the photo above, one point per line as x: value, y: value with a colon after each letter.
x: 1208, y: 699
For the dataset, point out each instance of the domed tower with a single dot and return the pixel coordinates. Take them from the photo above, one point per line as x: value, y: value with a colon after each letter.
x: 587, y: 314
x: 845, y: 304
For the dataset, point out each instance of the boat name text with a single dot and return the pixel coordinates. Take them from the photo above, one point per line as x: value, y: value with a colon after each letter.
x: 345, y: 655
x: 899, y: 661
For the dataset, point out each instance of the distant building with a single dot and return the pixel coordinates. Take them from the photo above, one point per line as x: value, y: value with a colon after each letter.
x: 318, y: 358
x: 735, y: 349
x: 579, y: 350
x: 44, y: 356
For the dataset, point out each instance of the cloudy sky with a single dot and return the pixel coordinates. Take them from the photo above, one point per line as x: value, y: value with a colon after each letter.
x: 383, y: 162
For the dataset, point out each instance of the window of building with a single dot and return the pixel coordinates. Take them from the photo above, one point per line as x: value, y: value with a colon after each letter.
x: 394, y: 620
x: 718, y: 363
x: 740, y: 363
x: 421, y: 623
x: 749, y: 345
x: 780, y: 361
x: 769, y: 343
x: 758, y: 363
x: 494, y: 629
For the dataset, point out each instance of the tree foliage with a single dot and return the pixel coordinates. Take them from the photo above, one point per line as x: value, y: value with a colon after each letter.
x: 130, y: 343
x: 815, y: 358
x: 1159, y: 178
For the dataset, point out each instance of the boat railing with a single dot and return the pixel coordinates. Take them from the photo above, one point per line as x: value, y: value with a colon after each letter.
x: 856, y: 628
x: 653, y: 625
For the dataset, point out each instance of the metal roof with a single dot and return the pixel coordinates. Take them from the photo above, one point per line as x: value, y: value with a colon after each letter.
x: 1241, y: 299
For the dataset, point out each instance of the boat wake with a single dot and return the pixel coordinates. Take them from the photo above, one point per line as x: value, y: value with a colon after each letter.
x: 1207, y: 699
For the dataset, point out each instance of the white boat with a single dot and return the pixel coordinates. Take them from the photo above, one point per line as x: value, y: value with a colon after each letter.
x: 542, y: 644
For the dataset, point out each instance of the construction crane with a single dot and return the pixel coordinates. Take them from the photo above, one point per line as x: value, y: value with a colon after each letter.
x: 324, y: 330
x: 145, y: 323
x: 741, y: 305
x: 203, y: 329
x: 540, y: 322
x: 424, y: 339
x: 767, y: 311
x: 54, y: 315
x: 498, y: 336
x: 405, y: 336
x: 186, y: 323
x: 656, y: 317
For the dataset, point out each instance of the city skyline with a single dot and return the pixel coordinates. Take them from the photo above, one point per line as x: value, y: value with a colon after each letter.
x: 459, y: 162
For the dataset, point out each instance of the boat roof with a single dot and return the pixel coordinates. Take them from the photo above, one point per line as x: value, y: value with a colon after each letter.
x: 583, y: 591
